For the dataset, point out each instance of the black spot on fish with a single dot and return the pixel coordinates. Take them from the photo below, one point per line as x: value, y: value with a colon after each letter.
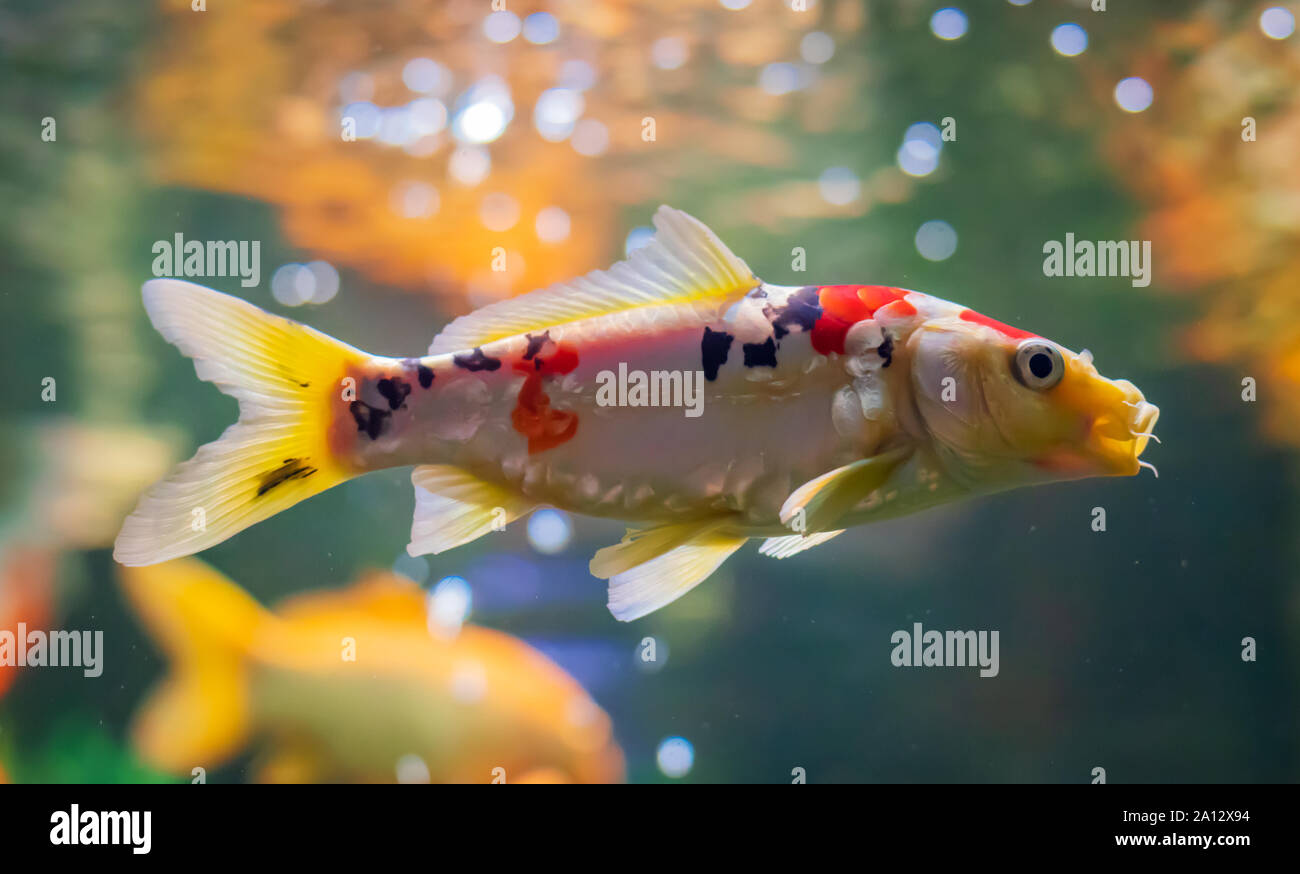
x: 535, y: 344
x: 886, y: 349
x: 801, y: 309
x: 713, y: 351
x: 760, y: 354
x: 476, y: 362
x: 305, y: 384
x: 422, y: 373
x: 394, y: 391
x: 291, y: 468
x: 370, y: 420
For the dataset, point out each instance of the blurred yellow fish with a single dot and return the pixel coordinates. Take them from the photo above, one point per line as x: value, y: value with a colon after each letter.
x: 355, y: 685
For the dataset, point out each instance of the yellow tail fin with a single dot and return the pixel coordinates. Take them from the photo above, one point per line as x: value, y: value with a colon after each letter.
x: 199, y: 715
x: 285, y: 376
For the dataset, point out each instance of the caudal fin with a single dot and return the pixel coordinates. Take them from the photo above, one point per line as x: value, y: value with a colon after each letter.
x: 285, y: 377
x: 199, y: 715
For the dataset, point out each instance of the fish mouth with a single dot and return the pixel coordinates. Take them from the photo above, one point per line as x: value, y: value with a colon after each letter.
x: 1119, y: 437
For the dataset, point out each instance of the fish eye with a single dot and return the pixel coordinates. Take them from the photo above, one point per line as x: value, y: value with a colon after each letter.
x: 1039, y: 364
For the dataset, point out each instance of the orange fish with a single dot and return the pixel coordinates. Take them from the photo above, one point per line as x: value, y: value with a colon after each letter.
x: 355, y: 685
x: 26, y: 595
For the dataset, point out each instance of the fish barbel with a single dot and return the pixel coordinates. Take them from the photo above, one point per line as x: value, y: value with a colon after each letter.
x: 675, y: 391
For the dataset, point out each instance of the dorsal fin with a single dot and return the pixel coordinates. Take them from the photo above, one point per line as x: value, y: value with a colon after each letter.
x: 683, y: 263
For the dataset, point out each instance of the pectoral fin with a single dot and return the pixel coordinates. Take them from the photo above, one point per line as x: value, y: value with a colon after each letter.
x: 651, y: 569
x: 829, y: 497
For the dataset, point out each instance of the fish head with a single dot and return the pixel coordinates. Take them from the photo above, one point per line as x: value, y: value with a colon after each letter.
x: 1007, y: 408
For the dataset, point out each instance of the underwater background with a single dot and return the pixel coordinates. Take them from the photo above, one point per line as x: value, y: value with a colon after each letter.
x: 822, y: 125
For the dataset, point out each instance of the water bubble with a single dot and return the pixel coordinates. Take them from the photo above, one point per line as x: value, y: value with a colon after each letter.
x: 426, y: 76
x: 839, y: 186
x: 501, y: 27
x: 1277, y: 22
x: 936, y: 241
x: 1069, y: 39
x: 468, y: 681
x: 577, y: 75
x: 816, y: 47
x: 1134, y: 94
x: 326, y: 281
x: 499, y: 211
x: 549, y: 531
x: 412, y: 769
x: 590, y: 137
x: 556, y: 112
x: 415, y: 200
x: 480, y: 122
x: 365, y: 118
x: 541, y: 28
x: 469, y: 165
x: 675, y: 757
x: 427, y: 115
x: 292, y: 285
x: 552, y: 225
x: 948, y: 23
x: 779, y: 78
x: 919, y: 154
x: 668, y: 53
x: 449, y: 604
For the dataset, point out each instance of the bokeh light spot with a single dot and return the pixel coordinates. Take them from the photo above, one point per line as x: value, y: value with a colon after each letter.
x: 936, y: 240
x: 839, y: 186
x: 1277, y: 22
x: 549, y: 531
x: 552, y: 225
x: 1069, y: 39
x: 675, y: 757
x: 948, y: 23
x: 1134, y: 94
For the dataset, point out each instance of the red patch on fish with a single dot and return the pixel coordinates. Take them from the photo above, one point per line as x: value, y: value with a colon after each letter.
x: 843, y: 305
x: 1005, y: 330
x: 532, y: 416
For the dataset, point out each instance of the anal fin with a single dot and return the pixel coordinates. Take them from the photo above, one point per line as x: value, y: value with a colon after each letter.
x: 793, y: 544
x: 651, y: 569
x: 453, y: 507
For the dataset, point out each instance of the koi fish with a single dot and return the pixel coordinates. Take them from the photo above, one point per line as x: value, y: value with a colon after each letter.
x: 823, y: 407
x: 344, y: 685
